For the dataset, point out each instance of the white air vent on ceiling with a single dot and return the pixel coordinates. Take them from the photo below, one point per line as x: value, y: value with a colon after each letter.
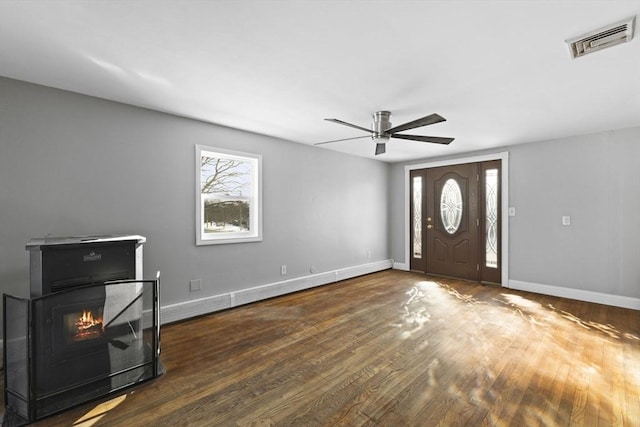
x: 611, y: 35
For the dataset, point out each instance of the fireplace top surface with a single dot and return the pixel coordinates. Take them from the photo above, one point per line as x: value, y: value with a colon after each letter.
x: 37, y: 243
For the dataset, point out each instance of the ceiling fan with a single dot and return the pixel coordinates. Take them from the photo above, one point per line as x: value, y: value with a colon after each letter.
x: 381, y: 130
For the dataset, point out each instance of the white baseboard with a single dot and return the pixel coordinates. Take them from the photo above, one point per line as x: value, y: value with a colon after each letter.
x: 184, y: 310
x: 400, y: 266
x: 577, y: 294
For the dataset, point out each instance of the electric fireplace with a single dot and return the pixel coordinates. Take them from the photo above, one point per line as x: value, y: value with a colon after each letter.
x: 90, y: 327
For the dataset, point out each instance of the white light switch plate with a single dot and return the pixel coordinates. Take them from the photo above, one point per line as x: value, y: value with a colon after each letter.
x: 566, y: 220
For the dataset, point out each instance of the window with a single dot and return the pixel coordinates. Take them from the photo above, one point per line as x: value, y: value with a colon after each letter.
x: 228, y: 196
x: 451, y: 206
x: 491, y: 215
x: 417, y: 217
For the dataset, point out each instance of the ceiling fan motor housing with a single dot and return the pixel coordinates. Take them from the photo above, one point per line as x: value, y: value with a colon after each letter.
x: 380, y: 125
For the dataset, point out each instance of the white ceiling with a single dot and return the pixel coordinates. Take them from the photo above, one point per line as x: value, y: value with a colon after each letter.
x: 499, y: 71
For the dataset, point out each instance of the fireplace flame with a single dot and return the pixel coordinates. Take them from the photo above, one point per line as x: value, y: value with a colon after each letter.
x: 88, y: 326
x: 87, y: 317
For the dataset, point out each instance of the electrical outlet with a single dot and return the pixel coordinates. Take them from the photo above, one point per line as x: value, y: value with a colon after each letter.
x: 512, y: 211
x: 283, y: 270
x: 566, y: 220
x: 195, y: 285
x: 368, y: 254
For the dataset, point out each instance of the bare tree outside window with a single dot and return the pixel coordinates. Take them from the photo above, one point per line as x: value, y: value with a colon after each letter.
x: 228, y: 196
x: 226, y: 187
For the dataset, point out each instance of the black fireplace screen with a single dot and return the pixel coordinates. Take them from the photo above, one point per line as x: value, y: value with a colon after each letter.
x: 73, y: 346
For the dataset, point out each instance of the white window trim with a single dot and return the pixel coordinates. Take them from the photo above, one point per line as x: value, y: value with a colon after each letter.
x: 504, y: 182
x: 255, y: 234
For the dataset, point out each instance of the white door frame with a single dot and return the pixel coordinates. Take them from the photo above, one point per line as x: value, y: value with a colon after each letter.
x: 504, y: 156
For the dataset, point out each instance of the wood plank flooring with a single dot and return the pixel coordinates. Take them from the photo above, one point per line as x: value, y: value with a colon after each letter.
x: 391, y: 349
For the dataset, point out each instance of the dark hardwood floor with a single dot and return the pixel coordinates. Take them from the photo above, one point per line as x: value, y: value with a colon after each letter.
x: 391, y: 349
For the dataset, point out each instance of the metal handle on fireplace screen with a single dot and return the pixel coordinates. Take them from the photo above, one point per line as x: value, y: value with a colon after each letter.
x: 156, y: 312
x: 156, y: 306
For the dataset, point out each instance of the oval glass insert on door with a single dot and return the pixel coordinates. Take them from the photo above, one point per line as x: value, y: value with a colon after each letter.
x: 451, y: 206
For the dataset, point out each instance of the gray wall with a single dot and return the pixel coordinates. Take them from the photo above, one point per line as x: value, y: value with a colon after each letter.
x: 595, y: 179
x: 75, y: 165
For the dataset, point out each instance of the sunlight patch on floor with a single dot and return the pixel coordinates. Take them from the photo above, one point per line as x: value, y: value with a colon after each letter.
x: 414, y: 314
x: 99, y: 411
x: 587, y: 367
x: 468, y: 299
x: 521, y: 302
x: 586, y: 375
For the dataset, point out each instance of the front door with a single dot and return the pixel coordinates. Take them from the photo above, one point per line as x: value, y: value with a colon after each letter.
x: 452, y: 221
x: 454, y: 218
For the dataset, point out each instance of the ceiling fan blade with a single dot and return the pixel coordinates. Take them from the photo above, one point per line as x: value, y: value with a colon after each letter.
x: 424, y: 121
x: 380, y: 148
x: 433, y: 139
x: 340, y: 122
x: 344, y: 139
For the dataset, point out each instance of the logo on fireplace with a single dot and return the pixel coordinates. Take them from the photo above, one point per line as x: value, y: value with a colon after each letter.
x: 92, y: 256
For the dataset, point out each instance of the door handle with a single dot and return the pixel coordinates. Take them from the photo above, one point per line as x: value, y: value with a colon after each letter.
x: 429, y: 226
